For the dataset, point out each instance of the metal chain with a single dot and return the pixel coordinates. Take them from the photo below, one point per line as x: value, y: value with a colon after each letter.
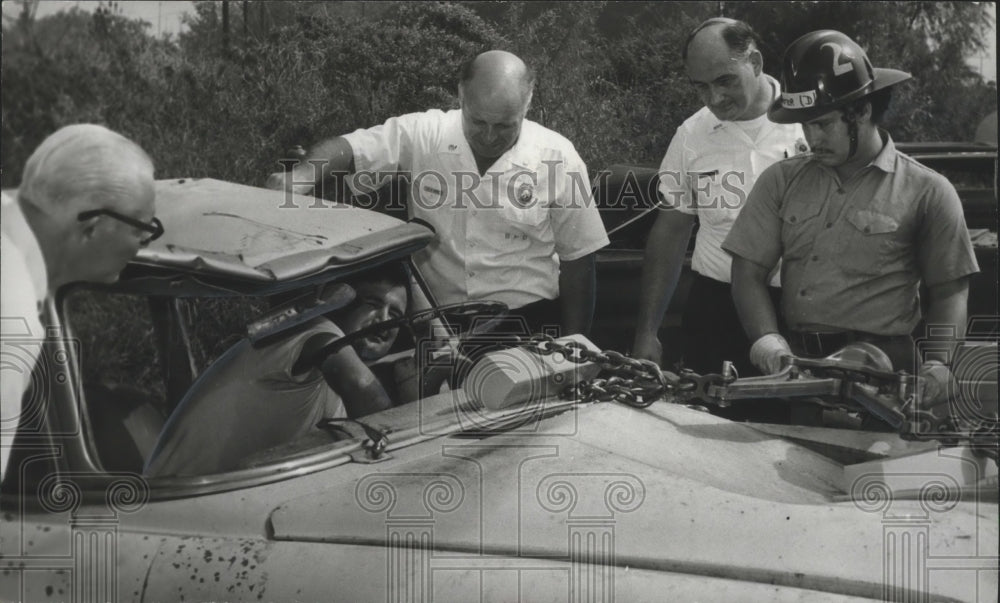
x: 639, y: 383
x: 631, y: 381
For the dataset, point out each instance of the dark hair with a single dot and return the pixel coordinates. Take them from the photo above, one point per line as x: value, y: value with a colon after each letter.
x: 879, y: 101
x: 466, y: 71
x: 739, y: 36
x: 393, y: 273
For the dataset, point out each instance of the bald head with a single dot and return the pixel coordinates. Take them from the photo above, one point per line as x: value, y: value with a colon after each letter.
x: 86, y: 166
x: 494, y: 90
x: 737, y: 37
x: 726, y: 69
x: 497, y: 72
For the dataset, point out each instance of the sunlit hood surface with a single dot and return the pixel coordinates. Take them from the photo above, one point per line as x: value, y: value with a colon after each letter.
x: 667, y: 489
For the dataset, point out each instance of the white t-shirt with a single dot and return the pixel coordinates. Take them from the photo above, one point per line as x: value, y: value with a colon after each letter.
x: 500, y: 236
x: 709, y: 169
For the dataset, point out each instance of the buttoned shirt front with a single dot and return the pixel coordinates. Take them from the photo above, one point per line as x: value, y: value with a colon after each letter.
x: 710, y: 168
x: 24, y: 289
x: 854, y: 252
x: 500, y: 236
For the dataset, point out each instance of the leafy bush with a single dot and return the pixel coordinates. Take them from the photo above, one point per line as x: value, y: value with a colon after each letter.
x: 228, y: 104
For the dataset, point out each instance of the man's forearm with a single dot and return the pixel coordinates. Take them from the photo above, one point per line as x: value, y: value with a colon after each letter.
x: 752, y: 300
x: 947, y: 309
x: 361, y: 392
x: 332, y: 156
x: 947, y: 313
x: 661, y: 270
x: 365, y: 398
x: 577, y: 294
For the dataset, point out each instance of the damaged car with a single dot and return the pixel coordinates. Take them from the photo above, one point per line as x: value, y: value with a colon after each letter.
x: 550, y: 470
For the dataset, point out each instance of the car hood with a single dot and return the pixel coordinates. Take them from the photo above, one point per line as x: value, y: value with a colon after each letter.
x: 666, y: 488
x: 228, y: 231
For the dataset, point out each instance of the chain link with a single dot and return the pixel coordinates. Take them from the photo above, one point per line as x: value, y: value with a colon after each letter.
x: 639, y: 383
x: 631, y: 381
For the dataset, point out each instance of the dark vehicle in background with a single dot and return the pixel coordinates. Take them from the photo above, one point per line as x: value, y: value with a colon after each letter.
x: 626, y: 195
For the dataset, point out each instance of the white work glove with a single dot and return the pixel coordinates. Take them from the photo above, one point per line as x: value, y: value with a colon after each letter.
x: 766, y: 353
x: 935, y: 384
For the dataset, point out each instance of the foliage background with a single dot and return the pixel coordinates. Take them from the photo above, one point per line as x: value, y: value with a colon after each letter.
x: 230, y: 95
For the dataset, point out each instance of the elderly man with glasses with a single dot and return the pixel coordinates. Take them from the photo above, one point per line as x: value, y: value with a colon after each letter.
x: 83, y: 209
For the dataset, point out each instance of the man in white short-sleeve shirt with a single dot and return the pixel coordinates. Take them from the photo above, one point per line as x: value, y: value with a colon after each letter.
x: 708, y: 171
x: 509, y: 199
x: 83, y: 209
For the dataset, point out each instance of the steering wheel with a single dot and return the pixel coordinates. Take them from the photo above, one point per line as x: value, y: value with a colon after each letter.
x: 476, y: 318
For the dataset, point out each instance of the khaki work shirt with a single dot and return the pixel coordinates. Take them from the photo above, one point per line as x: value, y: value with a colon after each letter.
x: 854, y: 253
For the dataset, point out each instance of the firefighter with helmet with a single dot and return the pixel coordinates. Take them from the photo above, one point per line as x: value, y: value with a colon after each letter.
x: 858, y: 225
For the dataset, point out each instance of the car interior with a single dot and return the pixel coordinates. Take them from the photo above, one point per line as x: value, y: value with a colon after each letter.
x: 133, y: 380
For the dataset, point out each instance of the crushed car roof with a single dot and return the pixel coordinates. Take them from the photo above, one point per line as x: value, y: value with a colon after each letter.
x: 234, y: 231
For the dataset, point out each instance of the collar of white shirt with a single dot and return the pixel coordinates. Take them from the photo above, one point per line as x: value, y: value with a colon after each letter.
x: 523, y: 155
x: 716, y: 125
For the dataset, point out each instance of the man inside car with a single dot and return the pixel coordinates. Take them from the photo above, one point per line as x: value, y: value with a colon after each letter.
x: 258, y: 396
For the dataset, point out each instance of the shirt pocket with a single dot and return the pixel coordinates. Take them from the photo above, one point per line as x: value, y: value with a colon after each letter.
x: 870, y: 242
x: 718, y: 184
x: 532, y: 215
x: 430, y: 193
x: 799, y: 227
x: 522, y: 202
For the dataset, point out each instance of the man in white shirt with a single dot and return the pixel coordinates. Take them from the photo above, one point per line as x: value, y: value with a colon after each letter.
x: 707, y: 173
x: 83, y: 209
x: 509, y: 199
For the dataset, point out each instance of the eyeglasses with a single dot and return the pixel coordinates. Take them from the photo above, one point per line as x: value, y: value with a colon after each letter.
x: 154, y: 228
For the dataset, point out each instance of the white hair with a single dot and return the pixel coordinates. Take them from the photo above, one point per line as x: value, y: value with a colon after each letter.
x: 80, y: 162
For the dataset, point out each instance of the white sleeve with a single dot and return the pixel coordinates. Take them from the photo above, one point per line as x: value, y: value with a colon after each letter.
x: 577, y: 226
x: 674, y: 188
x: 21, y: 340
x: 381, y: 151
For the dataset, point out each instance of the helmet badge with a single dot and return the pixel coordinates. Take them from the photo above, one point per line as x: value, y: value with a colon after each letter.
x: 838, y: 67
